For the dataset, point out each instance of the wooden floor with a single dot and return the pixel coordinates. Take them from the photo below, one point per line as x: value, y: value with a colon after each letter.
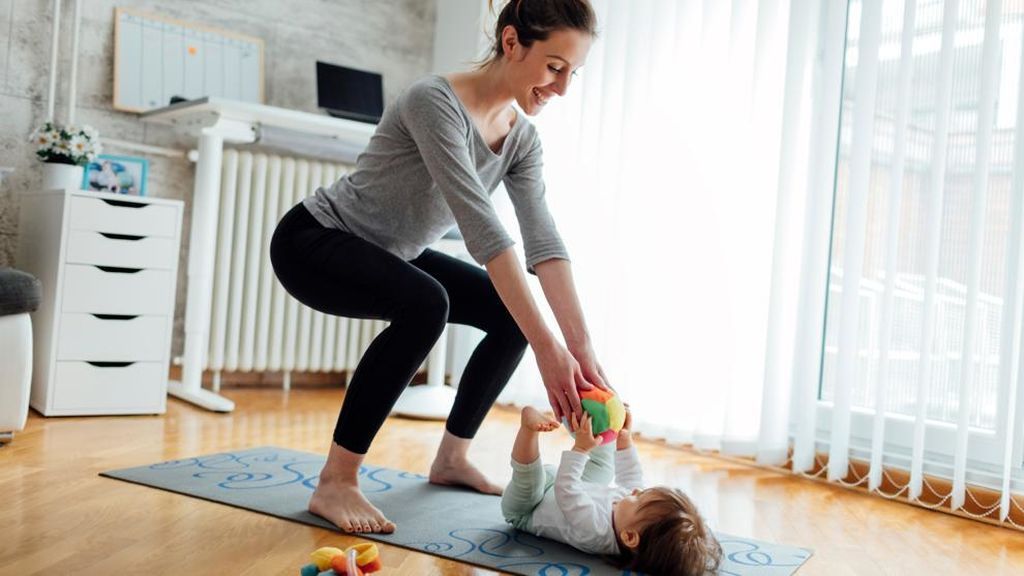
x: 58, y: 517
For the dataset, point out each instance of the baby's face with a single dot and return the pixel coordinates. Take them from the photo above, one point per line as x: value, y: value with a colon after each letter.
x: 627, y: 511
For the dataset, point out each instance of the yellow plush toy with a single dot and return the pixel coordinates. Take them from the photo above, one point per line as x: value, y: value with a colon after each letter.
x: 355, y: 560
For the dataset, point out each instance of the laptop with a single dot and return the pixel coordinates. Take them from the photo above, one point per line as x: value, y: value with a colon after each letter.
x: 349, y: 93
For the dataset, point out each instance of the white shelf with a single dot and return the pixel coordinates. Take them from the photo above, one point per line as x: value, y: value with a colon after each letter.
x: 248, y: 117
x: 102, y: 333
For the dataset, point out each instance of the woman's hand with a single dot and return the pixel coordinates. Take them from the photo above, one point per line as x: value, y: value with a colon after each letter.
x: 561, y: 374
x: 585, y: 439
x: 592, y: 371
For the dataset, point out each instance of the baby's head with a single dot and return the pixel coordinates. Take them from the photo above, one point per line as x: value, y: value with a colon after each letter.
x: 660, y: 532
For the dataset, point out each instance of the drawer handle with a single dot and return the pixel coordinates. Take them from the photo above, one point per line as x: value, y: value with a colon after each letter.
x: 109, y: 364
x: 118, y: 270
x: 120, y: 236
x: 123, y: 204
x: 116, y: 316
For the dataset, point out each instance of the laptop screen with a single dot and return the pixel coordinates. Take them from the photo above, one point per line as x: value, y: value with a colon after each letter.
x: 349, y: 93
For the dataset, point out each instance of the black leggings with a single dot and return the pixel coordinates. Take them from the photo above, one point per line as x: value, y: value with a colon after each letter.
x: 339, y: 273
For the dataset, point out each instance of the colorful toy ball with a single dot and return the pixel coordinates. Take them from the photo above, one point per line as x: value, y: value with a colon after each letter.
x: 309, y: 570
x: 607, y: 413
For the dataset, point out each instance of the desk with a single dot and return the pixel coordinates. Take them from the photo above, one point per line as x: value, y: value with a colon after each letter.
x: 216, y: 121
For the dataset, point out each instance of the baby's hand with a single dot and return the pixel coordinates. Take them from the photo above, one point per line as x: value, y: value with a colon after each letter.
x: 627, y: 426
x: 625, y: 438
x: 585, y: 440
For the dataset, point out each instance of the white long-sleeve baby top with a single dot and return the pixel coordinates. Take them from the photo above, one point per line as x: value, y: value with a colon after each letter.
x: 579, y: 513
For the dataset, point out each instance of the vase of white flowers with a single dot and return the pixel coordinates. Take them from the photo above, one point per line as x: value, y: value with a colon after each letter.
x: 64, y: 150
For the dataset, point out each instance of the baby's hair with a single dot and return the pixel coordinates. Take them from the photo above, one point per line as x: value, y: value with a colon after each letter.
x: 675, y: 541
x: 535, y: 20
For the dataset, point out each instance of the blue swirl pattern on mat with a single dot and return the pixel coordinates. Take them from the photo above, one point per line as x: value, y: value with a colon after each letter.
x: 746, y: 553
x: 372, y: 483
x: 548, y: 569
x: 505, y: 549
x: 232, y: 468
x: 487, y: 541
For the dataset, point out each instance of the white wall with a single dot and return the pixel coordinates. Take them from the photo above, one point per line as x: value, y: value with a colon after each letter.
x: 461, y: 34
x: 394, y: 37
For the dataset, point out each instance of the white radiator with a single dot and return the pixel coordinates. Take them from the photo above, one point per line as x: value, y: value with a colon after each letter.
x: 255, y: 325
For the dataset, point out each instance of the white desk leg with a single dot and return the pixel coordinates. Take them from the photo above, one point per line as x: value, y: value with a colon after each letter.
x: 433, y: 401
x: 202, y: 247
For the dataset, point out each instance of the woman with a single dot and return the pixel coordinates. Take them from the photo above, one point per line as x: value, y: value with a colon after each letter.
x: 358, y: 249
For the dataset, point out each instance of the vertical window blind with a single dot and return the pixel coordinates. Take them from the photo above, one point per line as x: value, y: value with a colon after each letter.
x: 796, y: 229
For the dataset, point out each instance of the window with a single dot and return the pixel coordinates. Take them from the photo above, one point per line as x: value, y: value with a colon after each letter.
x: 925, y: 146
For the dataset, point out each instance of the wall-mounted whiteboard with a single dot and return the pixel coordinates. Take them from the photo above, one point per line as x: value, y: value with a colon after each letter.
x: 156, y: 58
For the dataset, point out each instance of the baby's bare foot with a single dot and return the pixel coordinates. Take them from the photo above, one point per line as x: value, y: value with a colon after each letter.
x: 533, y: 419
x: 345, y: 506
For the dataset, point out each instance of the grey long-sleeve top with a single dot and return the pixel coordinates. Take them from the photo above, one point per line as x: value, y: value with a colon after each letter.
x: 427, y: 168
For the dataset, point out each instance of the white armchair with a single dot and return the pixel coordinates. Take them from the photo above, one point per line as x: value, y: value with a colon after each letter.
x: 19, y: 295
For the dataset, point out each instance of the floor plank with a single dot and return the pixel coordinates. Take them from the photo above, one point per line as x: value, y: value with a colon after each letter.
x: 58, y: 516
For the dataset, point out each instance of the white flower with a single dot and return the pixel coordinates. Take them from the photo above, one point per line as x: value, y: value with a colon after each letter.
x: 42, y: 139
x: 79, y: 145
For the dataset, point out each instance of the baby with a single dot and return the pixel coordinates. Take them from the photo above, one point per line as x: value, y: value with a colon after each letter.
x: 655, y: 530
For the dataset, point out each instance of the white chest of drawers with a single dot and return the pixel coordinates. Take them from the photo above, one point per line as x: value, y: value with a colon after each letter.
x: 108, y: 265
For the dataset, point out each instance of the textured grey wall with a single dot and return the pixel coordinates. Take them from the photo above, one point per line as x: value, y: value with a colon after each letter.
x: 394, y: 37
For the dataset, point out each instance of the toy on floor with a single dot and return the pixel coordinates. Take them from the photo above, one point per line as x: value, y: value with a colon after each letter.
x: 607, y: 413
x: 355, y: 560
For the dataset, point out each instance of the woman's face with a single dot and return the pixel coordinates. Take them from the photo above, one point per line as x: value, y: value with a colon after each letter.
x: 544, y: 70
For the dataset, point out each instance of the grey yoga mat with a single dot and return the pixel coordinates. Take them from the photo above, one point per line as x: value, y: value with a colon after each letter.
x: 450, y: 522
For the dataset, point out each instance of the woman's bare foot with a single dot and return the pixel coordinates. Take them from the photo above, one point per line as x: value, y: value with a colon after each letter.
x: 533, y: 419
x: 452, y: 468
x: 342, y: 504
x: 460, y: 472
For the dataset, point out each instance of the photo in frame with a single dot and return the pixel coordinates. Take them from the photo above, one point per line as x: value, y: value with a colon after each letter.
x: 116, y: 175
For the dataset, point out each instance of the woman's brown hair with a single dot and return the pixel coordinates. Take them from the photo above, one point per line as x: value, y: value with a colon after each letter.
x: 535, y: 20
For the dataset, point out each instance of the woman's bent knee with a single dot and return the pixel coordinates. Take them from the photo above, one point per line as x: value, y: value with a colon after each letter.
x: 425, y: 304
